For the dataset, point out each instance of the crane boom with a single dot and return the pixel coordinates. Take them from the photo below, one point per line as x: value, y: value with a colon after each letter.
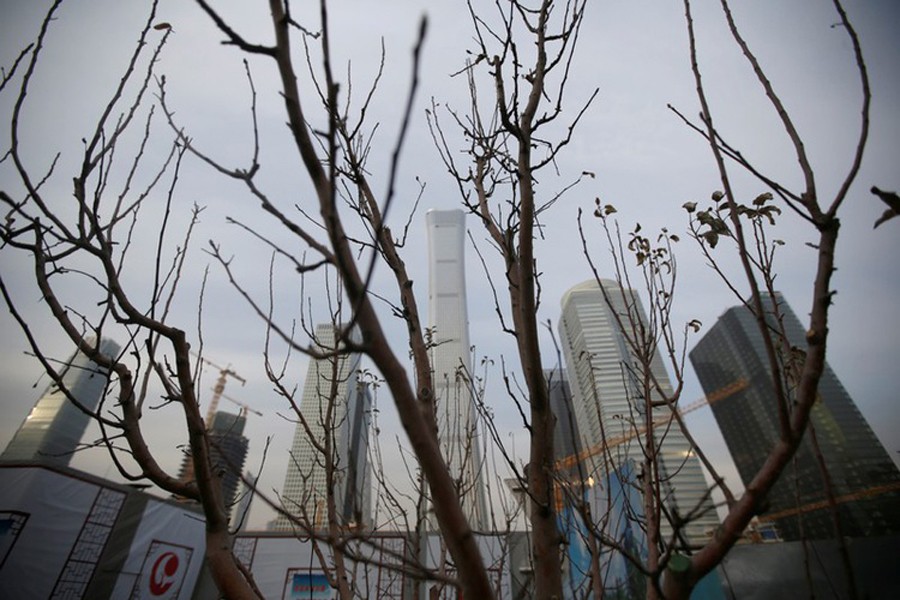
x: 244, y: 406
x: 568, y: 462
x: 219, y: 388
x: 820, y: 504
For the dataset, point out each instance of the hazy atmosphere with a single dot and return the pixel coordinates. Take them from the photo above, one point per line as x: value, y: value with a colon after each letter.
x: 644, y: 160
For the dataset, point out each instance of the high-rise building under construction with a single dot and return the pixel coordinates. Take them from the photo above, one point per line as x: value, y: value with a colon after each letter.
x: 227, y: 452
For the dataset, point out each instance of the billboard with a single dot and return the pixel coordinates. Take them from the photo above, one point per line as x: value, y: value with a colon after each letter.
x: 66, y: 534
x: 307, y: 585
x: 165, y: 554
x: 53, y: 529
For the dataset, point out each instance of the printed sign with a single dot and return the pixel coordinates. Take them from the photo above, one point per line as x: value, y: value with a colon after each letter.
x: 163, y: 572
x: 306, y: 585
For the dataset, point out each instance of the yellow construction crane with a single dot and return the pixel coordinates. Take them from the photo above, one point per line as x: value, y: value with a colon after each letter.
x: 219, y: 388
x: 720, y: 394
x: 820, y: 504
x: 245, y: 408
x: 567, y: 462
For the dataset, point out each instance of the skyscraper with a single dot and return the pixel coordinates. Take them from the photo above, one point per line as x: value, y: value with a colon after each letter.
x: 335, y: 405
x: 53, y: 429
x: 730, y: 361
x: 606, y: 380
x: 240, y: 515
x: 227, y: 452
x: 451, y: 361
x: 566, y: 440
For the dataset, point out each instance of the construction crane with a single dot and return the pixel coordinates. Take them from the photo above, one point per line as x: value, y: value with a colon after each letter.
x: 219, y: 388
x: 820, y: 504
x: 720, y: 394
x: 245, y: 408
x: 567, y: 462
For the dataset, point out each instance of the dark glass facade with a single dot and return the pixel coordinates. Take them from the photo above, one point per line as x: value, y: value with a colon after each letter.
x: 730, y: 361
x: 228, y: 451
x: 53, y: 429
x: 566, y: 441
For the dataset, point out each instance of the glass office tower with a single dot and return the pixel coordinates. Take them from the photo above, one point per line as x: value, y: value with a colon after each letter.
x: 53, y: 429
x: 731, y: 363
x: 331, y: 385
x: 606, y: 380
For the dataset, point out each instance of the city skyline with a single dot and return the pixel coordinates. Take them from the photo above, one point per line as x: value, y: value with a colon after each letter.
x: 647, y: 164
x: 732, y: 365
x: 170, y: 185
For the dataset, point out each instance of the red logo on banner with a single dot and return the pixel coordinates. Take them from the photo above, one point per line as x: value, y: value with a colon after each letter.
x: 162, y: 575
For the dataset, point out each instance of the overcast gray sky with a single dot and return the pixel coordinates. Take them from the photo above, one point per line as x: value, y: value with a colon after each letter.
x: 647, y: 164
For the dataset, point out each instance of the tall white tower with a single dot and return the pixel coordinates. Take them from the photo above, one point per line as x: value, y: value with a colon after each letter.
x: 333, y: 404
x: 451, y: 359
x: 605, y: 378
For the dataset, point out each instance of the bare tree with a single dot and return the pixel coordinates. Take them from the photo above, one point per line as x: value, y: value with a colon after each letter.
x: 105, y: 226
x: 755, y: 251
x: 335, y: 162
x: 507, y: 149
x: 653, y: 419
x: 511, y: 135
x: 501, y: 150
x: 80, y: 256
x: 674, y: 571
